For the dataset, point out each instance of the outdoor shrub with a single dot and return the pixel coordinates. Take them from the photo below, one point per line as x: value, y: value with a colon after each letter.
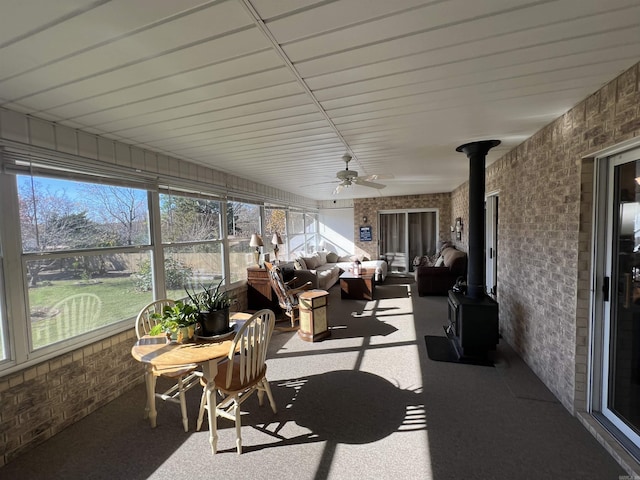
x: 176, y: 275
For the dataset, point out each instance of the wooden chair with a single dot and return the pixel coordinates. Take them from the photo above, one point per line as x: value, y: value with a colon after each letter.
x: 76, y: 314
x: 287, y: 296
x: 185, y: 376
x: 240, y: 375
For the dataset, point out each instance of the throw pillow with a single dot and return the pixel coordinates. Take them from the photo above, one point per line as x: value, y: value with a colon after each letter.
x: 439, y: 262
x: 300, y: 264
x: 424, y: 261
x: 332, y: 257
x: 322, y: 258
x: 430, y: 260
x: 311, y: 262
x: 345, y: 258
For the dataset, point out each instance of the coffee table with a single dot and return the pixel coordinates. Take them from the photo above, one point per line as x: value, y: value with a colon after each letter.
x: 357, y: 287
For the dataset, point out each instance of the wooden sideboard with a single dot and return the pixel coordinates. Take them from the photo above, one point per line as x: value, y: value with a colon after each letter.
x: 259, y: 292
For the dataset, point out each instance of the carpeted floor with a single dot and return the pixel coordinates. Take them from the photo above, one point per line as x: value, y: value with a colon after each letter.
x: 367, y: 403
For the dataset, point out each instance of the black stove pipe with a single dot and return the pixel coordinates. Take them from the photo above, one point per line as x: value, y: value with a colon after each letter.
x: 476, y: 152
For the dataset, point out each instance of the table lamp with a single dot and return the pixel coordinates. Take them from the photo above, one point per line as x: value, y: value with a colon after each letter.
x: 256, y: 241
x: 276, y: 240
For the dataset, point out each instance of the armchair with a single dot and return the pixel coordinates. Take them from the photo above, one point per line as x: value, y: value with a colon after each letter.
x: 287, y: 296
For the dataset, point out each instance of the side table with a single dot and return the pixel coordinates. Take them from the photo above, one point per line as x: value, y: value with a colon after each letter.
x: 313, y: 315
x: 357, y: 287
x: 259, y: 292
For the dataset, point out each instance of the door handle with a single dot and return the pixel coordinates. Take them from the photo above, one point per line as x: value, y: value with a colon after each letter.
x: 605, y: 289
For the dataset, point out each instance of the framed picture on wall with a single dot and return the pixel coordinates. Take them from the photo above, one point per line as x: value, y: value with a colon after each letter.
x: 365, y: 234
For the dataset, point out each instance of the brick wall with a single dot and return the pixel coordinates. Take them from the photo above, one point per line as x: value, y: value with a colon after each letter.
x: 544, y: 232
x: 43, y: 400
x: 460, y: 208
x: 370, y: 207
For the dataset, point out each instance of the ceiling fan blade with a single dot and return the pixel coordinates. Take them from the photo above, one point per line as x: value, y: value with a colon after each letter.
x: 364, y: 183
x: 318, y: 183
x: 377, y: 176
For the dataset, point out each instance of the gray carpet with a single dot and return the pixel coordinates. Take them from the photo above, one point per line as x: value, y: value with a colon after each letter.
x: 365, y: 403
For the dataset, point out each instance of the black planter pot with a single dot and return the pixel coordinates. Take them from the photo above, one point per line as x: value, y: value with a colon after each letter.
x: 214, y: 323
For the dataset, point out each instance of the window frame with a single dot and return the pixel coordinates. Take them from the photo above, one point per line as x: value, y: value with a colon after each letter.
x: 13, y: 304
x: 162, y: 246
x: 234, y: 240
x: 28, y: 256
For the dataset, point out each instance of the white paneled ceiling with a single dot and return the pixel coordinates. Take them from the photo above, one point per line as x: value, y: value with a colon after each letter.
x: 277, y: 91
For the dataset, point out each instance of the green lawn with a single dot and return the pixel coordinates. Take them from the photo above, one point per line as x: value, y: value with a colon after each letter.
x: 118, y: 301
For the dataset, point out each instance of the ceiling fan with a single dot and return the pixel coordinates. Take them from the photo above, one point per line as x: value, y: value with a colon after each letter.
x: 350, y: 177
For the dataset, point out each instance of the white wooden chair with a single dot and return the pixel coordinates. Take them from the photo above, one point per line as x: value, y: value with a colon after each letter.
x: 185, y: 376
x: 76, y: 314
x: 241, y: 374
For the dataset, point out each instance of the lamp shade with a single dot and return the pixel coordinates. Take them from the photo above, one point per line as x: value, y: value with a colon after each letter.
x: 276, y: 239
x: 256, y: 240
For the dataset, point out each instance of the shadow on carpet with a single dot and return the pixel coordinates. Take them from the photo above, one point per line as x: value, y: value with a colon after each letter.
x: 440, y: 349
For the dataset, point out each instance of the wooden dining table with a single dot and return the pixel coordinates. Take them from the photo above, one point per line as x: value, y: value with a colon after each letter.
x: 156, y: 353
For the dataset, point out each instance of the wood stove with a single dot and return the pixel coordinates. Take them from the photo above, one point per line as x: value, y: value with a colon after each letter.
x: 473, y: 324
x: 473, y: 317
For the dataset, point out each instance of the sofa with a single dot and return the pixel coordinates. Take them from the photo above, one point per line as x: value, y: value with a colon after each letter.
x: 323, y: 269
x: 439, y: 278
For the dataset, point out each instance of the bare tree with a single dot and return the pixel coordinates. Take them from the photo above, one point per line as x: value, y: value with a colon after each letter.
x: 43, y: 211
x: 124, y: 208
x: 242, y: 219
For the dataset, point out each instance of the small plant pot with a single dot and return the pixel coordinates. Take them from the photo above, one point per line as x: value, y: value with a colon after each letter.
x: 214, y: 323
x: 183, y: 335
x: 172, y: 335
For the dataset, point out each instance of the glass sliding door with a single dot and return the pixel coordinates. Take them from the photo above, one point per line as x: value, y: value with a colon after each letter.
x: 405, y: 235
x: 422, y: 234
x: 393, y: 240
x: 621, y: 355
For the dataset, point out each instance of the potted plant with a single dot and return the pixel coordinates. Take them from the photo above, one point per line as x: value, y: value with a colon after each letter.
x: 213, y: 304
x: 178, y: 322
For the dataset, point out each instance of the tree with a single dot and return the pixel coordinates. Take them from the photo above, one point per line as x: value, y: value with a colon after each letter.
x: 42, y: 228
x: 275, y: 221
x: 184, y: 219
x: 242, y: 219
x: 41, y: 209
x: 123, y: 208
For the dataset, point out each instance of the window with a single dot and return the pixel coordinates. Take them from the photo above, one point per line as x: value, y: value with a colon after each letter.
x: 84, y: 247
x: 275, y: 221
x: 192, y: 243
x: 302, y: 232
x: 243, y: 220
x: 85, y: 257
